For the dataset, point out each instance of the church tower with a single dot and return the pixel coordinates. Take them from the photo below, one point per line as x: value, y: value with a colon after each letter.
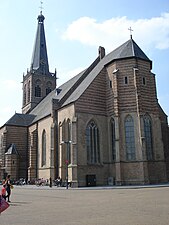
x: 38, y: 82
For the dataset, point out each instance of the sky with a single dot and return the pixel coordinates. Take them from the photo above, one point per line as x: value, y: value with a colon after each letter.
x: 74, y: 30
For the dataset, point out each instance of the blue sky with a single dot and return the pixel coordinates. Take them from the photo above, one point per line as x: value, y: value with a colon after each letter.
x: 74, y: 31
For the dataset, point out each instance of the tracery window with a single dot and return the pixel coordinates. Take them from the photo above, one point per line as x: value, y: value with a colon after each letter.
x: 29, y: 91
x: 48, y: 87
x: 148, y: 137
x: 38, y: 89
x: 129, y: 138
x: 52, y: 141
x: 69, y: 139
x: 1, y: 140
x: 112, y: 124
x: 92, y: 143
x: 43, y: 148
x: 24, y: 95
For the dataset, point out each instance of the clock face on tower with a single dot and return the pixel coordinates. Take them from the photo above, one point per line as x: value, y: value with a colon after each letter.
x: 42, y: 62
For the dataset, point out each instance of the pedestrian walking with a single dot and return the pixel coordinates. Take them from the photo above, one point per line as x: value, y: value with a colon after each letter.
x: 50, y: 182
x: 8, y: 187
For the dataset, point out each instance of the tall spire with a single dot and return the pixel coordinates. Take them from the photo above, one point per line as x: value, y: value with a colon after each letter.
x: 39, y: 61
x: 38, y: 82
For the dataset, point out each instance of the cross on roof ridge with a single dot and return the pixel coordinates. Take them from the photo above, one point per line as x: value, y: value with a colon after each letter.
x: 130, y: 29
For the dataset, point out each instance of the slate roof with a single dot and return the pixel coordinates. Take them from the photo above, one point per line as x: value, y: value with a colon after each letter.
x: 127, y: 50
x: 12, y: 150
x: 19, y: 119
x: 39, y: 57
x: 44, y: 108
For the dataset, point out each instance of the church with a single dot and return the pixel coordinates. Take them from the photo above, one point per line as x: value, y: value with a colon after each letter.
x: 104, y: 126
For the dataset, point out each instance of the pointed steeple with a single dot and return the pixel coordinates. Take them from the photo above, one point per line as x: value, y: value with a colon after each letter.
x: 39, y: 61
x: 38, y: 82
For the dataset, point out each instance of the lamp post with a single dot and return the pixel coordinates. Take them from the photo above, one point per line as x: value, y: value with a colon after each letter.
x: 67, y: 159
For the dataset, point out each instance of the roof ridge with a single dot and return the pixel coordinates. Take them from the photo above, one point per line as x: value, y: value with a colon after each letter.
x: 132, y: 46
x: 77, y: 83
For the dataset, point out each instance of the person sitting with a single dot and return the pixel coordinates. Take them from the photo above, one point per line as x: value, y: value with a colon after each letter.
x: 59, y: 181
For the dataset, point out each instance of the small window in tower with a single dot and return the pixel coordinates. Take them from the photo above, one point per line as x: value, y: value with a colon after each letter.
x: 48, y: 87
x: 126, y: 80
x: 29, y: 91
x: 37, y: 91
x: 48, y: 90
x: 144, y: 81
x: 38, y: 88
x: 24, y: 95
x: 110, y: 84
x: 13, y: 162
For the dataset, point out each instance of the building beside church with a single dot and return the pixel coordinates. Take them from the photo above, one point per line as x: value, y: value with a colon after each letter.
x: 102, y: 126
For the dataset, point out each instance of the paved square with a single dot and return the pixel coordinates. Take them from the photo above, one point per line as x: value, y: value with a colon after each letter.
x: 115, y: 206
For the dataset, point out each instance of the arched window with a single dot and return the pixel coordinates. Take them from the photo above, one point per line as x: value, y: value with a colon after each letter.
x: 92, y: 143
x: 43, y: 148
x: 24, y: 95
x: 69, y: 139
x: 112, y: 125
x: 1, y: 141
x: 52, y: 144
x: 148, y: 137
x: 48, y: 87
x: 38, y: 89
x: 29, y: 91
x: 129, y: 138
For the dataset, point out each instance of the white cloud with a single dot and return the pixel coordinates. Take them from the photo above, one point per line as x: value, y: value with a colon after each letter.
x: 113, y: 32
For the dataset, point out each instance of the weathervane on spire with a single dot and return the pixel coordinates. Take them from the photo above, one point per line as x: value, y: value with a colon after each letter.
x: 130, y: 32
x: 41, y: 7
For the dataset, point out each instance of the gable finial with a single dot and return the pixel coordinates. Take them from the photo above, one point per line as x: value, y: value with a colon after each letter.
x: 130, y: 32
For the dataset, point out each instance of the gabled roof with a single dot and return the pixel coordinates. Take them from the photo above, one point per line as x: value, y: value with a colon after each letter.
x: 127, y: 50
x: 71, y: 90
x: 44, y: 108
x: 19, y: 119
x: 12, y: 150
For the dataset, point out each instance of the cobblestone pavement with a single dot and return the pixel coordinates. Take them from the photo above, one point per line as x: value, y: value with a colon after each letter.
x: 94, y: 206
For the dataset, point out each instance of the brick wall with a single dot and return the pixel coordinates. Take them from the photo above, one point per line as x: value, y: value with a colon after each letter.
x: 18, y: 136
x: 93, y: 100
